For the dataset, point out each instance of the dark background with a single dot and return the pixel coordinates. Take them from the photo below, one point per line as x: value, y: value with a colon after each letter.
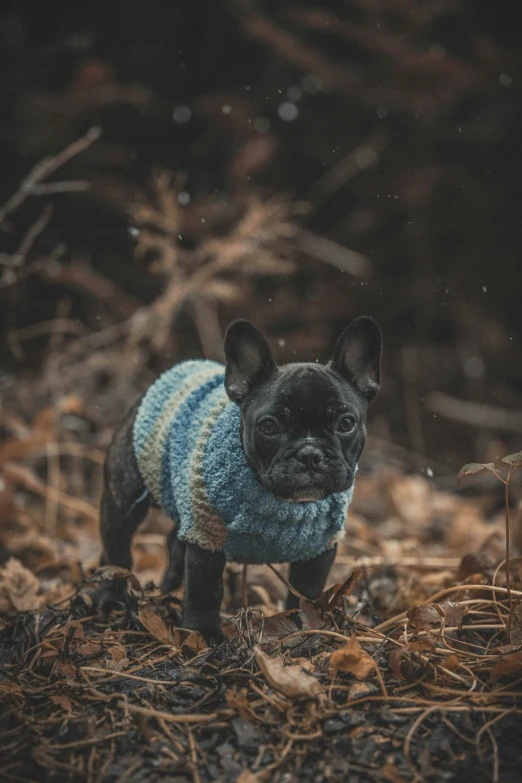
x: 404, y: 146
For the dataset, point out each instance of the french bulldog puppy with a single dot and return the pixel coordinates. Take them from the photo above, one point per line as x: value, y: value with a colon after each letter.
x: 253, y: 462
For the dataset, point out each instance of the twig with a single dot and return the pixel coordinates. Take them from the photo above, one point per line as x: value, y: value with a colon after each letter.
x: 343, y: 171
x: 193, y: 758
x: 334, y: 254
x: 409, y: 737
x: 474, y: 414
x: 170, y: 717
x: 19, y: 256
x: 44, y: 168
x: 245, y: 585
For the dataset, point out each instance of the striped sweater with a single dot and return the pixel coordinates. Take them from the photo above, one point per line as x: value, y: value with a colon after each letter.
x: 188, y: 449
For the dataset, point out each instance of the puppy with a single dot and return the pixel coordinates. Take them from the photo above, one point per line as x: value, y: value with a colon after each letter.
x: 255, y: 463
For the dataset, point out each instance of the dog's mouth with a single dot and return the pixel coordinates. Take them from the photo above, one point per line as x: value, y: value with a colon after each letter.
x: 307, y: 495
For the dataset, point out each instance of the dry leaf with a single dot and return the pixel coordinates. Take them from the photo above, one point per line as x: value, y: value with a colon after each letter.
x: 195, y: 642
x: 357, y: 690
x: 426, y: 616
x: 117, y: 653
x: 474, y: 563
x: 423, y: 616
x: 510, y: 664
x: 290, y: 680
x: 64, y: 670
x: 249, y: 777
x: 474, y: 467
x: 281, y: 624
x: 353, y: 659
x: 19, y: 588
x: 390, y: 773
x: 395, y: 660
x: 332, y: 597
x: 10, y: 692
x: 89, y: 648
x: 454, y: 613
x: 62, y: 701
x: 154, y: 624
x: 513, y: 459
x: 313, y: 620
x: 451, y: 663
x: 237, y: 699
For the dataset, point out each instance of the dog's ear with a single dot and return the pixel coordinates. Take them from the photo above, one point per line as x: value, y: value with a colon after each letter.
x: 357, y: 356
x: 248, y: 358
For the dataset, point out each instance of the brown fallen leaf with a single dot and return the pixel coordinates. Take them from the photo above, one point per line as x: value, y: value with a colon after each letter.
x: 357, y: 690
x: 353, y: 659
x: 400, y: 655
x: 390, y: 773
x: 117, y: 653
x: 282, y: 624
x: 62, y: 701
x: 237, y: 699
x: 290, y: 680
x: 10, y: 692
x: 89, y: 648
x: 454, y: 613
x: 64, y: 670
x: 451, y: 663
x: 510, y: 664
x: 426, y: 616
x: 19, y: 588
x: 332, y: 597
x: 312, y: 618
x: 193, y: 642
x: 249, y: 777
x: 154, y: 624
x: 423, y: 616
x: 474, y: 563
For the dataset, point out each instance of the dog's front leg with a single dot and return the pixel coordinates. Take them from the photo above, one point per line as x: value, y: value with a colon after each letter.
x: 203, y: 592
x: 308, y: 577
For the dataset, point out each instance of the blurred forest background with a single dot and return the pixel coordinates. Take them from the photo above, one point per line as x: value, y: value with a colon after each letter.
x: 295, y: 163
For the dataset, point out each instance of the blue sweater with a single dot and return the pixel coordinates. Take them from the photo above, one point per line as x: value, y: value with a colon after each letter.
x: 188, y: 449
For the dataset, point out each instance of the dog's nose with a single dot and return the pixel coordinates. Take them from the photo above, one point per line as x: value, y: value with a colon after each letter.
x: 310, y: 456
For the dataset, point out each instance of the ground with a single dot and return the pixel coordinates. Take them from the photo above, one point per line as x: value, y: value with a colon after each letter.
x: 406, y: 669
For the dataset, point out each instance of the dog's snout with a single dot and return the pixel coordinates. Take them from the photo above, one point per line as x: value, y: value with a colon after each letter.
x: 310, y: 456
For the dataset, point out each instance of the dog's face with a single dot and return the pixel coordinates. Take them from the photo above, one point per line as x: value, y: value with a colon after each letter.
x: 303, y: 425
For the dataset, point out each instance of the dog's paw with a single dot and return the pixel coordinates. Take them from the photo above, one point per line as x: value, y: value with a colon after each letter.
x: 214, y: 637
x: 211, y: 632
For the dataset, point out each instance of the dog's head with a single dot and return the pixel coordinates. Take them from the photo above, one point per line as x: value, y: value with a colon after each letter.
x: 303, y: 425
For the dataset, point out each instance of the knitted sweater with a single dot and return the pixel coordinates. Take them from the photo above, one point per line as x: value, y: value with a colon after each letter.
x: 188, y: 449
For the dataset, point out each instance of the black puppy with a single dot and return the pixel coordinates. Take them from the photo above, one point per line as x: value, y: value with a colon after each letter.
x: 254, y: 462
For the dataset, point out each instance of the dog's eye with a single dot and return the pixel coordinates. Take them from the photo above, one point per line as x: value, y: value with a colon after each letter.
x: 268, y: 426
x: 346, y: 424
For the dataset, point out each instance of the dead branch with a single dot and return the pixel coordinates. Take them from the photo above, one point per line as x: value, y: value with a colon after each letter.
x: 474, y: 414
x: 332, y: 253
x: 31, y: 183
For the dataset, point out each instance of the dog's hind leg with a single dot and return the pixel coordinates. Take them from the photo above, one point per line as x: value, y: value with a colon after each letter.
x: 125, y: 499
x: 176, y: 567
